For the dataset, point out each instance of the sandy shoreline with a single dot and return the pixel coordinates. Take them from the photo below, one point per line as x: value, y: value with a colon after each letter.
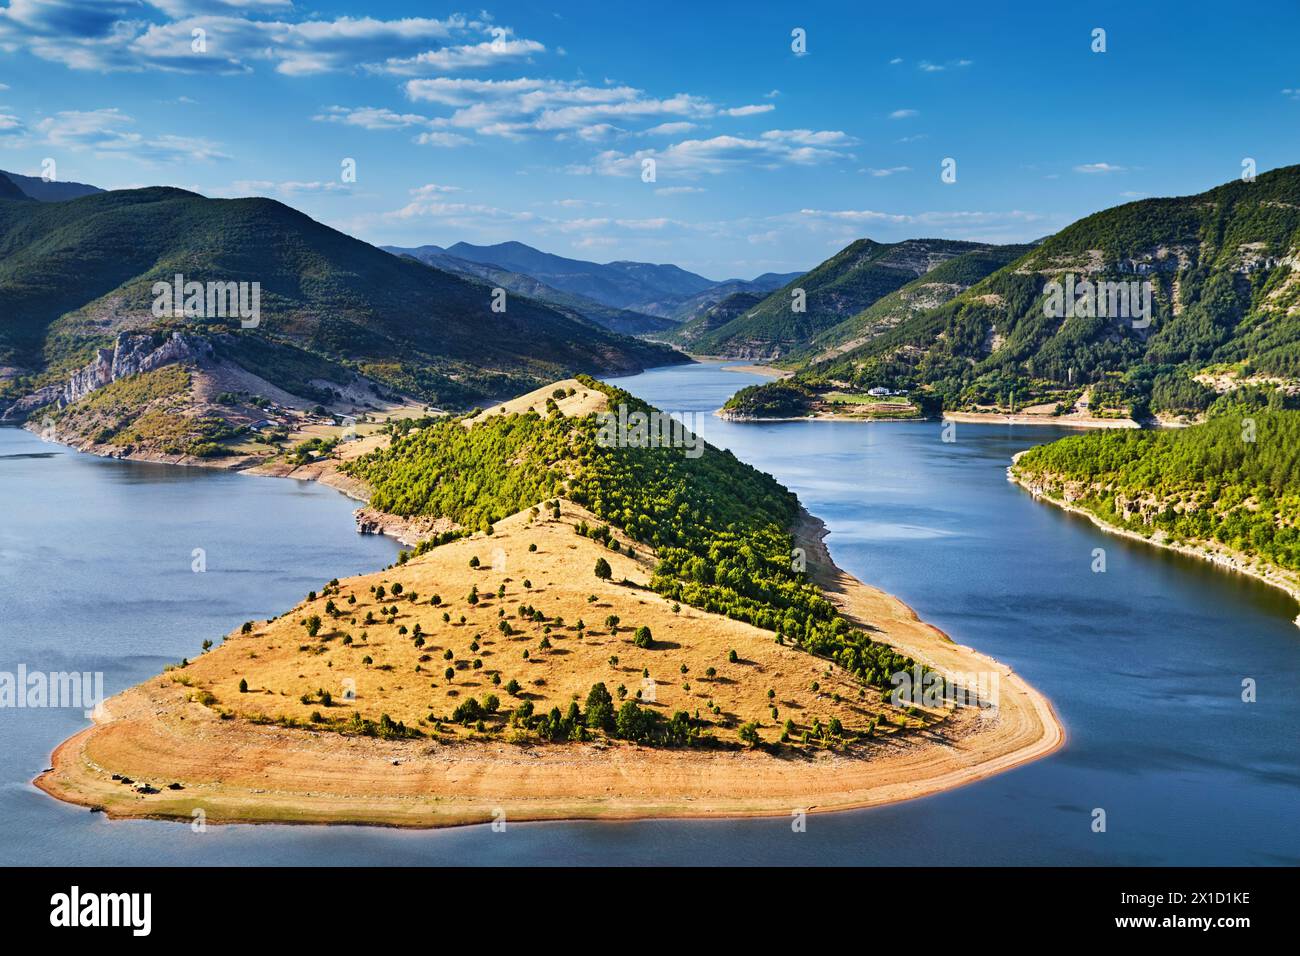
x: 974, y: 418
x: 1062, y: 421
x: 1219, y: 555
x: 752, y: 368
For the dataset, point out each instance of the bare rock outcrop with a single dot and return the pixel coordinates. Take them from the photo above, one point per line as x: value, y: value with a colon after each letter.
x: 131, y: 354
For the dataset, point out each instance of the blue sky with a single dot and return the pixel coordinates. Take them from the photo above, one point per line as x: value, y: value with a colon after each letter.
x: 531, y: 121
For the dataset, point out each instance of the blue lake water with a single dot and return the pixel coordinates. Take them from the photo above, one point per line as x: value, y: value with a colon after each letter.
x: 1144, y: 662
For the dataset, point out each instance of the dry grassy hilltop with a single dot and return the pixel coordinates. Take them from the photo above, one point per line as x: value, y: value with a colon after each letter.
x: 546, y: 668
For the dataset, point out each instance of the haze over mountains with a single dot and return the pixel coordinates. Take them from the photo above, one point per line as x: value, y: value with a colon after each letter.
x: 662, y: 291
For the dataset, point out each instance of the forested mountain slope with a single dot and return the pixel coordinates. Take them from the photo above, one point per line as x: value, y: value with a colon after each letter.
x: 74, y: 274
x: 859, y: 275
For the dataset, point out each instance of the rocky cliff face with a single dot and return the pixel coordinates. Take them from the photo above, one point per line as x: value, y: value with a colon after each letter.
x: 130, y: 355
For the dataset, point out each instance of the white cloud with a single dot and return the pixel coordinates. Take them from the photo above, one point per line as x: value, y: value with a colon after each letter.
x: 452, y: 59
x: 938, y: 218
x: 903, y: 114
x: 433, y: 189
x: 371, y: 117
x: 772, y: 149
x: 1291, y: 93
x: 109, y: 35
x: 855, y: 215
x: 678, y: 190
x: 887, y: 171
x: 771, y: 94
x: 382, y: 118
x: 106, y: 133
x: 595, y: 242
x: 808, y: 137
x: 925, y: 66
x: 255, y: 187
x: 432, y: 207
x: 443, y: 139
x: 1098, y: 168
x: 669, y: 129
x: 183, y: 8
x: 576, y: 203
x: 518, y: 107
x: 597, y: 132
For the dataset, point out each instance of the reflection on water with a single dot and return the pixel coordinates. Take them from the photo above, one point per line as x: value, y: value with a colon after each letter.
x: 1144, y: 663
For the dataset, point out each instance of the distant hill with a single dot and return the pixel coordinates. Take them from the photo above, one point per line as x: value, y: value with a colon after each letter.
x: 625, y: 321
x: 55, y: 191
x: 9, y: 189
x: 840, y: 287
x: 1222, y: 272
x: 1223, y: 269
x: 624, y: 285
x: 74, y: 274
x: 639, y: 286
x: 702, y: 302
x: 719, y: 314
x: 938, y: 286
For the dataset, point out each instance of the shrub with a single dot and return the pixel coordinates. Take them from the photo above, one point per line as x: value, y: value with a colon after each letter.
x: 600, y: 707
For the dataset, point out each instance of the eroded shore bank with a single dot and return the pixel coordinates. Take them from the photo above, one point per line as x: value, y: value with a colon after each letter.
x: 1217, y: 554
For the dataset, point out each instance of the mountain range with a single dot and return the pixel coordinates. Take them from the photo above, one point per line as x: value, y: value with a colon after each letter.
x: 76, y: 274
x: 35, y: 187
x: 964, y: 324
x: 611, y: 317
x: 666, y: 293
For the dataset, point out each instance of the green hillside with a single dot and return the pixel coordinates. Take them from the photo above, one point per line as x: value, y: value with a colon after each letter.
x: 721, y: 527
x: 1234, y: 480
x: 690, y: 334
x: 935, y: 288
x: 840, y: 287
x: 73, y: 274
x: 1224, y: 291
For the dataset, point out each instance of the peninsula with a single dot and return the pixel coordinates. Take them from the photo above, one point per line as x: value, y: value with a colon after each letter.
x: 583, y: 631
